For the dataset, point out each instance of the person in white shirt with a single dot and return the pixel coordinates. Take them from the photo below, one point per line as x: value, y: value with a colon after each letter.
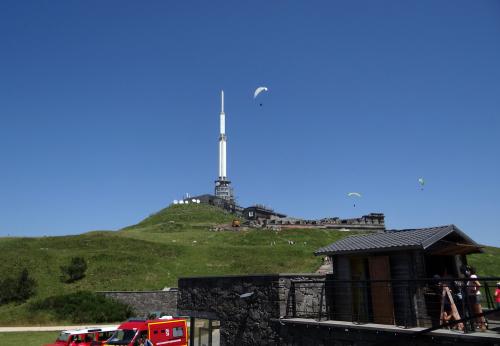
x: 474, y: 293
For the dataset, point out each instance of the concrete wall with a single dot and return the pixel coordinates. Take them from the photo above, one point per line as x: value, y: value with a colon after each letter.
x: 146, y: 302
x: 246, y: 321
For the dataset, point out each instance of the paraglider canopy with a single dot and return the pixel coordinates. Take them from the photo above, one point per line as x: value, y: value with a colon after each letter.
x: 258, y: 91
x: 421, y: 181
x: 354, y: 194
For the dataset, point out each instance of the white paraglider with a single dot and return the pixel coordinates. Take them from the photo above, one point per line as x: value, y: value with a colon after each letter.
x: 353, y: 195
x: 258, y: 91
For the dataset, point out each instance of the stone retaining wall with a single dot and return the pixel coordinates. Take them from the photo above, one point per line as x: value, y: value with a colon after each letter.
x: 245, y: 305
x: 146, y: 302
x: 283, y: 309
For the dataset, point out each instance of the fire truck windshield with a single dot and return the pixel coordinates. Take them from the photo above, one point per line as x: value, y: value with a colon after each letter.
x: 121, y: 337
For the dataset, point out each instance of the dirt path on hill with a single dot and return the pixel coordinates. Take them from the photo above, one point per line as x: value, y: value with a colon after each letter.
x: 325, y: 268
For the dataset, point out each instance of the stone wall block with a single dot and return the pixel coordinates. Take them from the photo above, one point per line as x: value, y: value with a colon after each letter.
x: 146, y: 302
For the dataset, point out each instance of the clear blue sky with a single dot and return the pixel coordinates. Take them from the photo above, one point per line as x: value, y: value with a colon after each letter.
x: 109, y: 110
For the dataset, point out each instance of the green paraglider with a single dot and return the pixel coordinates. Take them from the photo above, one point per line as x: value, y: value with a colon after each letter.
x: 421, y: 181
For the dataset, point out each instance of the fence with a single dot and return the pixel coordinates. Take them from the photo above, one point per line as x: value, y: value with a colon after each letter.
x: 456, y: 303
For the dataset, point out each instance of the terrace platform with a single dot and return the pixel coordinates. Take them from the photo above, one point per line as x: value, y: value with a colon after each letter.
x: 489, y: 337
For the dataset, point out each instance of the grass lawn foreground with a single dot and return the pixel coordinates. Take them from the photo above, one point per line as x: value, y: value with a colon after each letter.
x: 27, y: 338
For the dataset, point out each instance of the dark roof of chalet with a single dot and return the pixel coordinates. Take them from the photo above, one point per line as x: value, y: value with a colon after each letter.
x: 394, y: 240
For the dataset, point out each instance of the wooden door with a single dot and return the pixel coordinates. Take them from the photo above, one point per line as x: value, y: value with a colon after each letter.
x: 360, y: 291
x: 382, y: 303
x: 342, y: 293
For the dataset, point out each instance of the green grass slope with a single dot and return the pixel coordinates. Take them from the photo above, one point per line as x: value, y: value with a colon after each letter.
x: 487, y: 263
x: 154, y: 253
x: 172, y: 243
x: 178, y: 215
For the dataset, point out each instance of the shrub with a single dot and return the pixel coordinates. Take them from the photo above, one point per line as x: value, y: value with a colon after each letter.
x: 84, y: 307
x: 7, y: 290
x: 26, y: 286
x: 17, y: 289
x: 74, y: 271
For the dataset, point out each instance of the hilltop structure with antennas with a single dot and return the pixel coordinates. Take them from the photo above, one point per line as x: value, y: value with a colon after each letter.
x: 223, y: 188
x: 224, y: 194
x: 261, y: 216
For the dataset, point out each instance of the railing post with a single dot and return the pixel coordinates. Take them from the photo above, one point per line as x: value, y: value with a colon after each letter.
x: 408, y: 308
x: 327, y: 306
x: 351, y: 301
x: 489, y: 300
x: 467, y: 312
x: 464, y: 305
x: 359, y: 292
x: 321, y: 301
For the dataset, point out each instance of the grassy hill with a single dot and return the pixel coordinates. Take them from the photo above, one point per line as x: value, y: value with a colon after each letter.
x: 487, y: 263
x: 154, y: 253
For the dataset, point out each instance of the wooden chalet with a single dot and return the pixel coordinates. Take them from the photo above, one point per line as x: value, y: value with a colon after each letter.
x: 376, y: 276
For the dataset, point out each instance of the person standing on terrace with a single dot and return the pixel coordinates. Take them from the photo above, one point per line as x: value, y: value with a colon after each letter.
x: 474, y: 293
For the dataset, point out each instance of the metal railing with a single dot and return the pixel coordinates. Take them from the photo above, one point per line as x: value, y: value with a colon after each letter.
x: 453, y: 303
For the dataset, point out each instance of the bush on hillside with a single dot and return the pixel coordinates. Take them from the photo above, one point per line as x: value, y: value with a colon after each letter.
x: 84, y: 307
x: 18, y: 288
x: 26, y: 286
x: 74, y: 271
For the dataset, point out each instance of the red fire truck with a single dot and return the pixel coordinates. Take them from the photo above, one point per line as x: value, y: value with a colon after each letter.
x: 84, y: 337
x: 163, y: 331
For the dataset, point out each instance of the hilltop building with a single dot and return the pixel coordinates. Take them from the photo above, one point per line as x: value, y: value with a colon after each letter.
x: 370, y: 222
x: 260, y: 212
x: 223, y: 203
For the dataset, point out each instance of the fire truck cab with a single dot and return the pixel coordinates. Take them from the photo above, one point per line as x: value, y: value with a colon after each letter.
x: 163, y: 331
x: 84, y: 337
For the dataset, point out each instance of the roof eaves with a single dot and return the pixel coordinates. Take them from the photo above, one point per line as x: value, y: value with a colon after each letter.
x: 367, y: 251
x: 465, y: 236
x: 443, y: 232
